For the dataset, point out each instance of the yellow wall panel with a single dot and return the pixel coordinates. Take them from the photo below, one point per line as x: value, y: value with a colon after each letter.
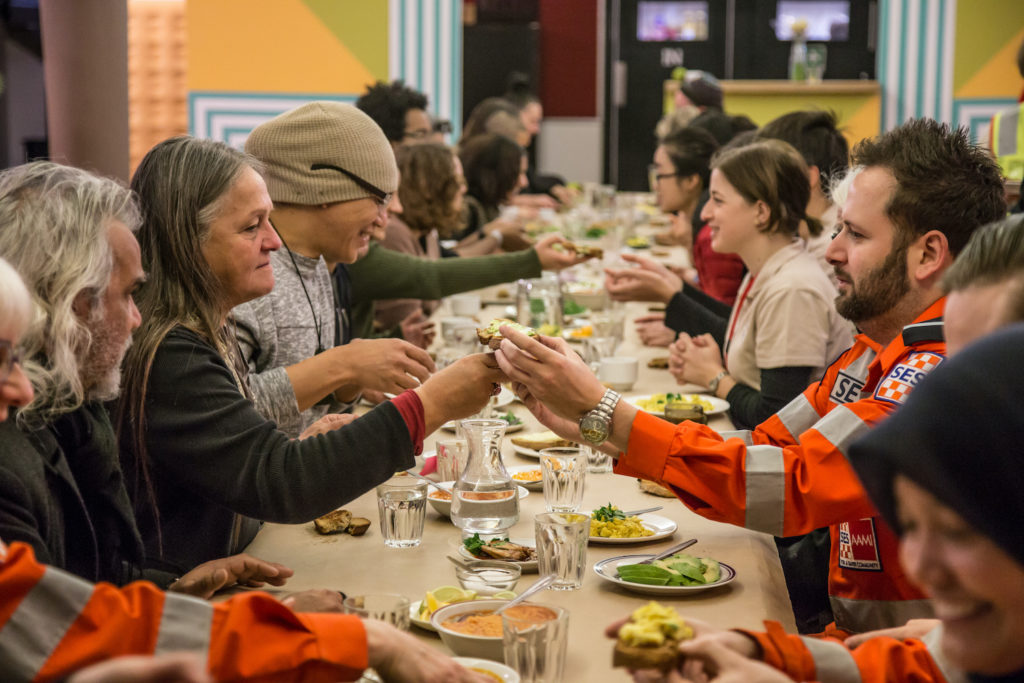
x: 279, y: 46
x: 999, y: 76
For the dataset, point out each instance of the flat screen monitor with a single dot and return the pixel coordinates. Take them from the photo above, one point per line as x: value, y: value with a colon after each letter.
x: 827, y: 20
x: 671, y: 21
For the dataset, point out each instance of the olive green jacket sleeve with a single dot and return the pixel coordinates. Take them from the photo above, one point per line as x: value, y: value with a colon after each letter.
x: 387, y: 274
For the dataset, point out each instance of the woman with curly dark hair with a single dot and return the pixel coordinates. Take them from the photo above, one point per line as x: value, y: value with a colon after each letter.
x: 430, y: 193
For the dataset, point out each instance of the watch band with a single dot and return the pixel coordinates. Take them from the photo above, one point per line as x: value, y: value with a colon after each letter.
x: 716, y: 380
x: 606, y: 406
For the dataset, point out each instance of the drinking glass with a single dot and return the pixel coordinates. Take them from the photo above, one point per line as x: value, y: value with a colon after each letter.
x: 562, y: 548
x: 402, y: 503
x: 387, y: 607
x: 536, y: 650
x: 598, y: 462
x: 451, y: 458
x: 563, y: 472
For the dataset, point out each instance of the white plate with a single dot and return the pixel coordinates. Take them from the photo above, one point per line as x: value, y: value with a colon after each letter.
x: 528, y: 452
x: 414, y: 612
x: 505, y: 673
x: 505, y: 397
x: 663, y: 527
x: 606, y: 569
x: 532, y: 485
x: 718, y: 405
x: 530, y: 566
x: 449, y: 426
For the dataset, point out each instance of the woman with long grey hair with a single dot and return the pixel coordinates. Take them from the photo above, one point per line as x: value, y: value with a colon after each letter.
x: 196, y: 445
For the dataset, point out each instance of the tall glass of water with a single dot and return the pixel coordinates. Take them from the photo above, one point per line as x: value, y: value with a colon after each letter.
x: 402, y: 503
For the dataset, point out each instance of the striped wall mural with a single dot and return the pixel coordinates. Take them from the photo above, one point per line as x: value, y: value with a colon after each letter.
x: 915, y: 59
x: 425, y: 51
x: 951, y: 60
x: 315, y: 50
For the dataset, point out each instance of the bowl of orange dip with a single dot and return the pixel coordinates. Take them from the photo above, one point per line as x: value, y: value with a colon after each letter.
x: 442, y: 500
x: 472, y: 629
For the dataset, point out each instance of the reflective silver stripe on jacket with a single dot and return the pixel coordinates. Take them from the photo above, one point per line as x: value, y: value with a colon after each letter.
x: 931, y: 641
x: 39, y: 623
x: 742, y: 434
x: 184, y: 625
x: 833, y: 663
x: 798, y: 416
x: 841, y: 427
x: 858, y: 616
x: 766, y: 489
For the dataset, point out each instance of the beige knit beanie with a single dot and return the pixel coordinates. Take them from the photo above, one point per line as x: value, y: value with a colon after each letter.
x: 324, y: 133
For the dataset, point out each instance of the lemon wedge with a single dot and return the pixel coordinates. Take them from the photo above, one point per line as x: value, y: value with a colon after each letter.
x: 504, y: 595
x: 445, y: 595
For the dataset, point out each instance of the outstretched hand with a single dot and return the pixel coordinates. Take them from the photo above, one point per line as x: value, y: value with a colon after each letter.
x: 650, y: 281
x: 242, y: 569
x: 555, y: 259
x: 550, y: 371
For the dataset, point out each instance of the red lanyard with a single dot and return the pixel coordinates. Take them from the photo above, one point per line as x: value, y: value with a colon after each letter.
x: 735, y: 317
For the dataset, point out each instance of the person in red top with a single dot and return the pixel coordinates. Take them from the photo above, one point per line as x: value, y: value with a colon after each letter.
x: 919, y: 192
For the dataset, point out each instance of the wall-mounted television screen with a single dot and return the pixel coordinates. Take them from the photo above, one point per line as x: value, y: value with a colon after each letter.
x: 826, y: 20
x: 671, y: 21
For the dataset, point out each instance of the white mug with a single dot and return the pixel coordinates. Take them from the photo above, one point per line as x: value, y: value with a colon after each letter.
x: 465, y: 305
x: 618, y: 372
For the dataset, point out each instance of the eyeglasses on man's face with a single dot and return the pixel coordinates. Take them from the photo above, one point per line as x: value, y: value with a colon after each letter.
x: 419, y: 134
x: 383, y: 198
x: 8, y: 357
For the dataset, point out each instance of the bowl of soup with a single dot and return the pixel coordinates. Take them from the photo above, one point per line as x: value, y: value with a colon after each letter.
x: 472, y: 629
x: 442, y: 500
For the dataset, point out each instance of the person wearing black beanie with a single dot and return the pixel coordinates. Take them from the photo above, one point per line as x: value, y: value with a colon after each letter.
x: 945, y: 472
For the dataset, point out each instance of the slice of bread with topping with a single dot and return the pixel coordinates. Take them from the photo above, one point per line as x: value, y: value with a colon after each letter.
x: 650, y: 639
x: 539, y: 440
x: 490, y: 336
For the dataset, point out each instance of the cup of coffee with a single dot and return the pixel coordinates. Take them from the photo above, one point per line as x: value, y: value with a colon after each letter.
x: 618, y: 372
x: 465, y: 305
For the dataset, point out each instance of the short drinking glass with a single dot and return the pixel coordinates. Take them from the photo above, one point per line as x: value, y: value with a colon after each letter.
x: 388, y: 607
x: 536, y: 649
x: 598, y: 462
x: 402, y: 503
x: 562, y: 547
x: 564, y: 472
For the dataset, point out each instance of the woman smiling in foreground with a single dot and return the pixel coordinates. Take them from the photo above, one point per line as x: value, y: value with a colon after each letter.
x: 951, y: 489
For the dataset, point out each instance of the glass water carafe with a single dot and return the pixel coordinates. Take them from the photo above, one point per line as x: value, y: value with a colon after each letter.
x: 485, y: 500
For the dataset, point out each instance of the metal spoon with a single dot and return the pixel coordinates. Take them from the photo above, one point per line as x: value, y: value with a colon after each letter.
x: 429, y: 481
x: 457, y: 562
x: 671, y: 551
x: 541, y: 583
x: 634, y: 513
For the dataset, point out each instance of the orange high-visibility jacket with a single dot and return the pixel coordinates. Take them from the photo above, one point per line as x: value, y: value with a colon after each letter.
x: 878, y: 660
x: 790, y: 475
x: 53, y: 623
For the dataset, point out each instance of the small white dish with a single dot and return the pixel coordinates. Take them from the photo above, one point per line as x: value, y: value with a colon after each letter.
x: 537, y: 485
x: 506, y: 673
x: 718, y: 405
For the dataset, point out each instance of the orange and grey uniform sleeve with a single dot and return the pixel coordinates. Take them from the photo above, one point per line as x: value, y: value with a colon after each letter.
x: 876, y: 661
x: 53, y: 623
x: 787, y: 477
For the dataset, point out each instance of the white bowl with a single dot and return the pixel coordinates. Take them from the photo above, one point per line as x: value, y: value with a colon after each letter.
x: 506, y: 673
x: 466, y: 645
x: 444, y: 507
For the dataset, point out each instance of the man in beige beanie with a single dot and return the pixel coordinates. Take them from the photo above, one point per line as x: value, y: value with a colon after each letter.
x: 331, y: 173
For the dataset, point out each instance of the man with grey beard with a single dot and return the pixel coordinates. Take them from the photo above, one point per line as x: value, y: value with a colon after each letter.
x: 69, y: 234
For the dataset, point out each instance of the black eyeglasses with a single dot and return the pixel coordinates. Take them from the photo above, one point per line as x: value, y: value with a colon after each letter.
x: 383, y: 197
x: 8, y: 357
x: 419, y: 134
x: 652, y: 173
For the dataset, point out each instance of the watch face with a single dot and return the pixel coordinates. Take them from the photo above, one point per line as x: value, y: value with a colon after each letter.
x: 594, y: 429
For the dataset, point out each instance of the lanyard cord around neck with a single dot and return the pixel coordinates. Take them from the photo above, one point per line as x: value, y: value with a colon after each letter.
x: 736, y: 317
x: 302, y: 281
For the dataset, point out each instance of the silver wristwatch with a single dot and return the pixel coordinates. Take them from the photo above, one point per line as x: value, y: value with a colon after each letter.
x: 716, y: 380
x: 596, y: 425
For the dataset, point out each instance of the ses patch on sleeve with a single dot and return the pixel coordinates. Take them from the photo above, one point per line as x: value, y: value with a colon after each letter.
x: 901, y: 380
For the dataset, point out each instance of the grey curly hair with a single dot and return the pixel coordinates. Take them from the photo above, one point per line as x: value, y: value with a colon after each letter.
x: 53, y: 225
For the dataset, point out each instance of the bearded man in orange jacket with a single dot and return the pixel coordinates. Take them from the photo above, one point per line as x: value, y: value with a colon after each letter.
x: 915, y: 195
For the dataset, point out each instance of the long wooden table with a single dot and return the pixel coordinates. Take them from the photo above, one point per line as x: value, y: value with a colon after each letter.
x: 362, y: 564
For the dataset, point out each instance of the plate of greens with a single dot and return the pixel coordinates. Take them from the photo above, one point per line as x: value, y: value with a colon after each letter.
x: 677, y: 574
